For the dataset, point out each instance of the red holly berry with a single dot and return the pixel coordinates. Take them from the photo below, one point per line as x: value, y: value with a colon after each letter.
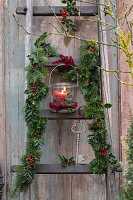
x: 68, y: 161
x: 75, y: 12
x: 64, y: 13
x: 103, y: 154
x: 102, y: 105
x: 36, y: 66
x: 34, y: 94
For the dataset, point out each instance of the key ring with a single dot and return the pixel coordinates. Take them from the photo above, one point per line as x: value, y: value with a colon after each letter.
x: 80, y: 126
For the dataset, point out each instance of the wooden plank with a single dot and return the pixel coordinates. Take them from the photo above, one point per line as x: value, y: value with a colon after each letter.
x: 46, y: 10
x: 63, y: 116
x: 28, y: 37
x: 110, y: 94
x: 2, y: 99
x: 59, y: 169
x: 11, y: 72
x: 76, y: 61
x: 3, y: 172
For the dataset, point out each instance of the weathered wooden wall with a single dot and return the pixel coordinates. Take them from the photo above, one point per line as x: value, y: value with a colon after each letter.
x: 45, y: 187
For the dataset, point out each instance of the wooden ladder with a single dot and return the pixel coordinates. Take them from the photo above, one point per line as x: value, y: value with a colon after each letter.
x: 31, y: 11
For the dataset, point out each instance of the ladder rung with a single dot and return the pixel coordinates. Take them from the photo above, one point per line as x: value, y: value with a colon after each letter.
x: 59, y: 169
x: 46, y: 10
x: 63, y: 116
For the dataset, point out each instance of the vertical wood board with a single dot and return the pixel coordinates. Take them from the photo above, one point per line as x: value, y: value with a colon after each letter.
x: 110, y: 95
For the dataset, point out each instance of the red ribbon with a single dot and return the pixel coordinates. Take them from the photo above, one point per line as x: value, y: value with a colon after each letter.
x: 60, y: 106
x: 79, y: 112
x: 67, y: 61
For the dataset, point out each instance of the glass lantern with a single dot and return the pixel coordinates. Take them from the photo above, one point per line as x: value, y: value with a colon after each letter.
x: 63, y: 97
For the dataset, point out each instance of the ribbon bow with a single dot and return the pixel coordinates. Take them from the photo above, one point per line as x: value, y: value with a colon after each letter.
x: 60, y: 106
x: 67, y: 60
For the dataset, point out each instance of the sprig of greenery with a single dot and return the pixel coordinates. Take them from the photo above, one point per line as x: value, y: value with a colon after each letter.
x: 69, y: 10
x: 66, y: 162
x: 69, y: 101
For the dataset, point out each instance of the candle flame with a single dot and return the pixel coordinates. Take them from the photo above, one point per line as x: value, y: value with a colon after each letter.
x: 64, y: 90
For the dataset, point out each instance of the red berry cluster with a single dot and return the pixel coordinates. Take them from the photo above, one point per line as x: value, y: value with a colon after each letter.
x: 69, y: 161
x: 35, y: 66
x: 31, y: 159
x: 97, y: 123
x: 33, y: 89
x: 75, y: 11
x: 64, y: 13
x: 104, y: 151
x: 90, y: 48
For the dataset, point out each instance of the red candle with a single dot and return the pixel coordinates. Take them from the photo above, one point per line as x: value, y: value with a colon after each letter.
x: 62, y: 94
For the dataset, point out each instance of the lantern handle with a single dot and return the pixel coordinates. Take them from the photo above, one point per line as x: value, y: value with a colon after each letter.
x: 59, y: 66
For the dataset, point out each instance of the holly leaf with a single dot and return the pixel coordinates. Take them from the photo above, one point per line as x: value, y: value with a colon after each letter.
x: 107, y: 105
x: 70, y: 110
x: 84, y: 90
x: 41, y: 40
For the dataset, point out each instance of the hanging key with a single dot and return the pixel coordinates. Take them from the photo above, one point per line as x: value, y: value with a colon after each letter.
x: 79, y: 128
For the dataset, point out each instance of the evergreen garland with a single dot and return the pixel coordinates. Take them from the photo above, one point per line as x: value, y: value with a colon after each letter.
x: 94, y: 109
x: 89, y: 77
x: 37, y: 90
